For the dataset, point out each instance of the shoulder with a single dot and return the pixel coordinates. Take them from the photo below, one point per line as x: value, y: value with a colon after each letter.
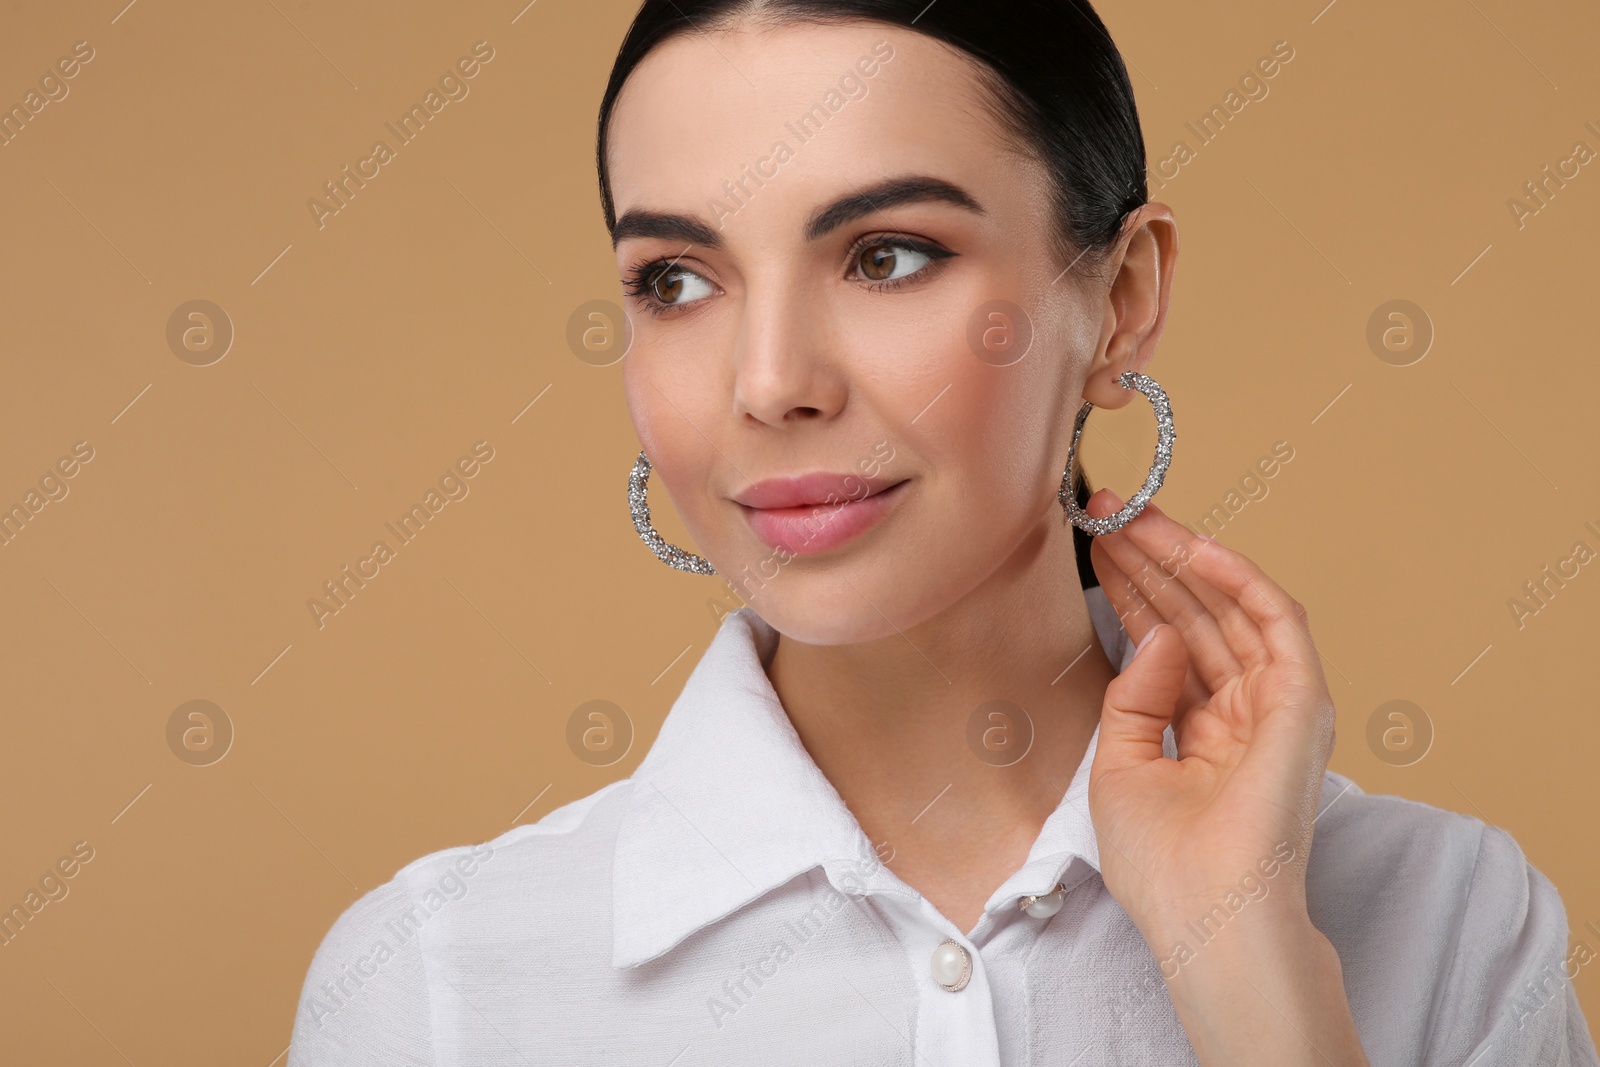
x: 1366, y: 842
x: 1374, y: 855
x: 1442, y: 917
x: 1387, y: 873
x: 367, y: 997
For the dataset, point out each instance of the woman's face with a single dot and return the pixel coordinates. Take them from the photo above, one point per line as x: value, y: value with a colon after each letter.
x: 802, y: 314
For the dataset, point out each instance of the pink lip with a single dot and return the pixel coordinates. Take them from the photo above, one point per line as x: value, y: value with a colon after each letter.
x: 817, y: 512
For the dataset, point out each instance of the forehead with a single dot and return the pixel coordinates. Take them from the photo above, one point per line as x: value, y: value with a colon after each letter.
x: 808, y: 109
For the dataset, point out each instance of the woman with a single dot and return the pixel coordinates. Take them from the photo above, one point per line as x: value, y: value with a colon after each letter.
x: 919, y: 801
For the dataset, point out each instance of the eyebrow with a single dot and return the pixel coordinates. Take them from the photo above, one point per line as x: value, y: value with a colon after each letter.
x: 909, y: 189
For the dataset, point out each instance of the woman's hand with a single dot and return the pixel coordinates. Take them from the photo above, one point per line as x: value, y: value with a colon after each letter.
x: 1207, y: 853
x: 1231, y: 665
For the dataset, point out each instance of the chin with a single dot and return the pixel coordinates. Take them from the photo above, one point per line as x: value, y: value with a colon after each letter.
x: 864, y: 600
x: 821, y: 619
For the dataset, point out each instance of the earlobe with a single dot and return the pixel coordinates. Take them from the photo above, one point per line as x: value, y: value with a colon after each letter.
x: 1101, y: 387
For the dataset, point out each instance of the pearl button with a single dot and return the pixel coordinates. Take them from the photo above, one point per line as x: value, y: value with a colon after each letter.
x: 952, y: 967
x: 1045, y: 905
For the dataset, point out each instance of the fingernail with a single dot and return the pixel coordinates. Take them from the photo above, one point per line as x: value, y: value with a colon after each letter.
x: 1145, y: 640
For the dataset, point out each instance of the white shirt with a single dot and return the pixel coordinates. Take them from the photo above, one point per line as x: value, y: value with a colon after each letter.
x: 723, y: 906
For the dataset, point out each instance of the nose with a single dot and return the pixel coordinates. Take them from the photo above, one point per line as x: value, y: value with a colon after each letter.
x: 785, y: 371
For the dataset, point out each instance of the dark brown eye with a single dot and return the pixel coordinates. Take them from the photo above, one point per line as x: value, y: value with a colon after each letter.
x: 666, y: 286
x: 877, y: 262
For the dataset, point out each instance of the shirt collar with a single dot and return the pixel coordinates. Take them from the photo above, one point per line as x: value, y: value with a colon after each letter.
x: 728, y: 805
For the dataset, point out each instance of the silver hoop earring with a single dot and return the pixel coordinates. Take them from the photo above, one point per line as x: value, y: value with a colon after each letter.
x: 1158, y: 470
x: 670, y: 554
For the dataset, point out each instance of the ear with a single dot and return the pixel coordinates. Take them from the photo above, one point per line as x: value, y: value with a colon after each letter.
x: 1135, y: 304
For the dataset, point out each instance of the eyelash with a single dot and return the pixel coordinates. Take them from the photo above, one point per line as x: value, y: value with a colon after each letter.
x: 638, y: 281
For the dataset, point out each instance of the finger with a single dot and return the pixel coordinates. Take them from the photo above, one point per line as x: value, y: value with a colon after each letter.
x: 1139, y: 702
x: 1160, y: 585
x: 1170, y: 542
x: 1138, y: 618
x: 1133, y: 611
x: 1283, y: 620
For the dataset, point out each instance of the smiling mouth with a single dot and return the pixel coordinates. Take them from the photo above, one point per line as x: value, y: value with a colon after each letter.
x: 809, y: 528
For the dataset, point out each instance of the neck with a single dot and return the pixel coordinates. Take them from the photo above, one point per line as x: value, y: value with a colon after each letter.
x: 888, y: 721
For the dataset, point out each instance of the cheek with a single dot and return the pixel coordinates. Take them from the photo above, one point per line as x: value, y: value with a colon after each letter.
x: 678, y: 455
x: 675, y: 377
x: 994, y: 439
x: 643, y: 403
x: 985, y: 440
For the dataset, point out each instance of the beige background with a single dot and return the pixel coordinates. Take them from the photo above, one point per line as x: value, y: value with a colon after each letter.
x: 371, y: 353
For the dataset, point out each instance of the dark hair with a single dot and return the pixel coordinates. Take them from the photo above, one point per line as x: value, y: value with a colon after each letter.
x: 1056, y: 82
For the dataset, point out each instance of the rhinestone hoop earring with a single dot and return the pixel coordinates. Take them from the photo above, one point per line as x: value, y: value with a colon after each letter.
x: 670, y: 554
x: 1158, y: 470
